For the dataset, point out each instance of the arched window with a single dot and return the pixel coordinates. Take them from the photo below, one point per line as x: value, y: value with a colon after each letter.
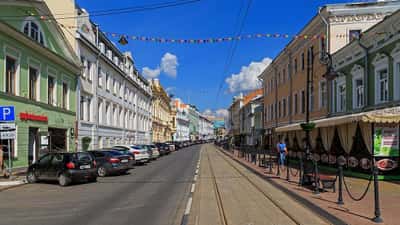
x: 33, y: 30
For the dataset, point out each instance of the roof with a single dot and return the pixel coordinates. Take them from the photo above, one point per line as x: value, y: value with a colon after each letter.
x: 252, y: 95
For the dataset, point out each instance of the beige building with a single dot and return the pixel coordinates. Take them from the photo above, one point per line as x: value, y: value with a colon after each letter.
x: 285, y: 79
x: 163, y: 127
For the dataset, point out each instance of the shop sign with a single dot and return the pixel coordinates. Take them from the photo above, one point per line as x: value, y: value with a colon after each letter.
x: 386, y: 164
x: 386, y: 141
x: 7, y: 113
x: 33, y: 117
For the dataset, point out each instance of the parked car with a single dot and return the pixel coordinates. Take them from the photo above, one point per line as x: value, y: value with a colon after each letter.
x: 65, y: 167
x: 141, y: 154
x: 171, y: 146
x: 163, y: 148
x: 155, y: 153
x: 132, y: 161
x: 111, y: 162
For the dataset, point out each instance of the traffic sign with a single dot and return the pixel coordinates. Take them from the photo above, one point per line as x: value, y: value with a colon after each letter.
x: 7, y: 135
x: 7, y: 113
x: 7, y: 131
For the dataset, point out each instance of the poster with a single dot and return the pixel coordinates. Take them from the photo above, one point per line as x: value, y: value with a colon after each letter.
x: 386, y: 141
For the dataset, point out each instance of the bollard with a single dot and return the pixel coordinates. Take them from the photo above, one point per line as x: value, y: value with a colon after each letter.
x: 278, y: 173
x: 340, y: 194
x: 377, y: 218
x: 270, y: 163
x: 287, y: 169
x: 316, y: 178
x: 301, y: 172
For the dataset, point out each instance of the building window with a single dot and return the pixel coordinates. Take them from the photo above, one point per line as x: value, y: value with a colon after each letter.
x: 295, y: 65
x: 358, y: 93
x: 32, y: 30
x: 82, y: 108
x: 33, y: 83
x: 354, y: 34
x: 341, y: 96
x: 108, y: 81
x: 323, y: 93
x: 279, y: 109
x: 272, y: 112
x: 65, y: 95
x: 99, y: 77
x: 284, y: 107
x: 383, y: 86
x: 303, y: 102
x: 322, y: 46
x: 90, y: 70
x: 302, y: 61
x: 397, y: 80
x: 88, y: 109
x: 11, y: 69
x: 311, y: 100
x: 50, y: 90
x: 295, y: 104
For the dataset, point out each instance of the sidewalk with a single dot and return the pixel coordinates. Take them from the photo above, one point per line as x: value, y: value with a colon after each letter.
x: 15, y: 181
x: 352, y: 212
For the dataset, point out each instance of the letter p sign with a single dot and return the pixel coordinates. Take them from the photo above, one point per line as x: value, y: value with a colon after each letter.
x: 7, y: 113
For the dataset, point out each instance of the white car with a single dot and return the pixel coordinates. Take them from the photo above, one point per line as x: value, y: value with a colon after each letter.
x: 140, y: 153
x: 155, y: 151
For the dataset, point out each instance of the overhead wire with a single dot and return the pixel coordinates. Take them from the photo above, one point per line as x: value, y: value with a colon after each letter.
x: 233, y: 48
x: 107, y: 12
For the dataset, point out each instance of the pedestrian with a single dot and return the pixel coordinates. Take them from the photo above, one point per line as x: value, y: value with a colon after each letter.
x: 282, y: 151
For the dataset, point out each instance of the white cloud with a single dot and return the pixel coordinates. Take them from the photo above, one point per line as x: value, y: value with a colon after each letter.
x: 217, y: 113
x: 221, y: 113
x: 247, y: 79
x: 169, y: 64
x: 150, y: 73
x: 169, y: 89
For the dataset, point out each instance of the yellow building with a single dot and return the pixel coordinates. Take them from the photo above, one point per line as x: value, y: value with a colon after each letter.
x: 163, y: 127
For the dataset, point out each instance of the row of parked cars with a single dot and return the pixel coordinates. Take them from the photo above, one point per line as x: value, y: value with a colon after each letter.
x: 68, y: 167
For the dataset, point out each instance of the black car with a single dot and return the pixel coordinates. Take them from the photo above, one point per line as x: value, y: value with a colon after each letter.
x: 111, y: 162
x: 163, y: 148
x: 132, y: 161
x: 66, y: 167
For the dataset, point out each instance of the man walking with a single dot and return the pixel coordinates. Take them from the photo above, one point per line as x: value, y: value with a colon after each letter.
x: 282, y: 151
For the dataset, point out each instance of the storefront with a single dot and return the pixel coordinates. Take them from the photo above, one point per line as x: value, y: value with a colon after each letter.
x: 359, y: 138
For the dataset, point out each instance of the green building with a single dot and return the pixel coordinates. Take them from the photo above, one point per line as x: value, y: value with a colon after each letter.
x: 194, y: 116
x: 366, y: 98
x: 38, y: 76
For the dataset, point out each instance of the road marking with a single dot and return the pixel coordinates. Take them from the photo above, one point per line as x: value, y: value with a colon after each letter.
x: 197, y: 171
x: 193, y: 187
x: 195, y: 177
x: 188, y: 206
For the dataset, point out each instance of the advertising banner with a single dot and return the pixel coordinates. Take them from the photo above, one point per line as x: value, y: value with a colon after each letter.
x: 386, y: 141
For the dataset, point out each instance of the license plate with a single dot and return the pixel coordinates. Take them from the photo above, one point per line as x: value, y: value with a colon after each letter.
x: 124, y: 161
x: 85, y: 167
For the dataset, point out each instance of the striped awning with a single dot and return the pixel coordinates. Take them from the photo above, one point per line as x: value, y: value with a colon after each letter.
x: 387, y: 115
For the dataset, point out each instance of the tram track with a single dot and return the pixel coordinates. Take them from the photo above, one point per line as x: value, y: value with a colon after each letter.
x: 219, y: 197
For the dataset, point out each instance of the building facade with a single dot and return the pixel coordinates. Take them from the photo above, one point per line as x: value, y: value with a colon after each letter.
x: 39, y: 78
x: 285, y: 79
x: 194, y: 117
x: 162, y: 120
x: 114, y: 100
x: 206, y: 128
x: 182, y: 121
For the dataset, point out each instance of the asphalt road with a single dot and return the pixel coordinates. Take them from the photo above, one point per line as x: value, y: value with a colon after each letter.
x: 154, y: 194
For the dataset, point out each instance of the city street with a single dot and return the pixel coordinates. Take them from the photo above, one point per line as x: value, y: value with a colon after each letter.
x: 153, y: 194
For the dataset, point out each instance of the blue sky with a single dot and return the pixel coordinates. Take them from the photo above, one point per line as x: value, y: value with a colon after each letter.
x: 201, y: 67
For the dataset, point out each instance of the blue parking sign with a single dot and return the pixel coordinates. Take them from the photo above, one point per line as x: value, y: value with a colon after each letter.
x: 7, y: 113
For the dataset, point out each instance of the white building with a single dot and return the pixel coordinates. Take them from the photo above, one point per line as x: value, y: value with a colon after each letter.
x: 206, y: 128
x: 114, y: 100
x: 182, y: 121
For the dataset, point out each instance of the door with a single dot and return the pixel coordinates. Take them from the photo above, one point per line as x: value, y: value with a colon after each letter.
x: 33, y: 153
x: 56, y: 165
x: 43, y: 166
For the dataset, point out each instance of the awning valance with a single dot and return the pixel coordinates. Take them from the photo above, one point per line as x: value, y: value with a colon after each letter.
x: 387, y: 115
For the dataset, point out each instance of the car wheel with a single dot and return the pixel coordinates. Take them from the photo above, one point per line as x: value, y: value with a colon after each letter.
x: 63, y: 180
x: 31, y: 177
x: 101, y: 171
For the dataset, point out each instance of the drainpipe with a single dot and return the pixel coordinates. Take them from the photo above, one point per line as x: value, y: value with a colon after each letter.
x: 366, y: 71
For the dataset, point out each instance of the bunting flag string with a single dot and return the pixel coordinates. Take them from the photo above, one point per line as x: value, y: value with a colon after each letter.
x: 124, y: 38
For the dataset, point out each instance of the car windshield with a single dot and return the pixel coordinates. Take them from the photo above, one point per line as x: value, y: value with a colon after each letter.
x: 83, y: 156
